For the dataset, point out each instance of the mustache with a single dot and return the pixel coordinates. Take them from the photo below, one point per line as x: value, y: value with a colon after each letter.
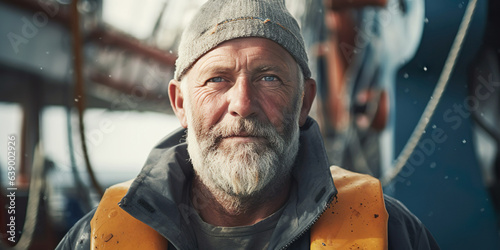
x: 250, y: 127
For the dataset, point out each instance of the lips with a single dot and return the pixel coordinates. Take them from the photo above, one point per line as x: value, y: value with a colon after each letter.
x: 241, y: 134
x: 244, y: 137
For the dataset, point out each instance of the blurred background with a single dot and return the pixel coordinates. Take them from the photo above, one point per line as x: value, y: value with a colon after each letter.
x: 408, y: 91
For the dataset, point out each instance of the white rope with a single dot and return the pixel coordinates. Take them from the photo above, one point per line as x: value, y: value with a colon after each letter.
x: 436, y: 95
x: 36, y: 190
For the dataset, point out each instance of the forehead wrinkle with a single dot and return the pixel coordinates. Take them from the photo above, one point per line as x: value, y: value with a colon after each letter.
x: 216, y: 63
x: 264, y: 60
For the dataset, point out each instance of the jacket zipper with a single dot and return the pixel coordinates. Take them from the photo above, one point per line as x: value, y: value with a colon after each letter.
x: 330, y: 200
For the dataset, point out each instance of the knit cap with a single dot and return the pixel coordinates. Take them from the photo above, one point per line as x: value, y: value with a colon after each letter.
x: 221, y: 20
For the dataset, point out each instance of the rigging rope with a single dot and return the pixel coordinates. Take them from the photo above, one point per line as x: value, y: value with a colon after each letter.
x: 80, y: 90
x: 436, y: 95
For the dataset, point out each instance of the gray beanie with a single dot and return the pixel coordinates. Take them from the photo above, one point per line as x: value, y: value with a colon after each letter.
x: 222, y: 20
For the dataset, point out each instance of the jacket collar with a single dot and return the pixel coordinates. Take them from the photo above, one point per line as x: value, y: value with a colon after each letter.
x: 159, y: 196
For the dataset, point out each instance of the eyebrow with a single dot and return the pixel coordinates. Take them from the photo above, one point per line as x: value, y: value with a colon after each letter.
x: 266, y: 68
x: 217, y: 70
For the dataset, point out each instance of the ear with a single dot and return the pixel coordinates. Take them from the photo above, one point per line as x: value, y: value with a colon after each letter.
x: 307, y: 100
x: 177, y: 101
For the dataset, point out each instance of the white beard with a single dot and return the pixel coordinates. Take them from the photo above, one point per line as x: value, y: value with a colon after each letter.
x: 243, y: 170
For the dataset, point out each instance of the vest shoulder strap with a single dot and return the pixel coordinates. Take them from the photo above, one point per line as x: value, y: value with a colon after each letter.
x: 357, y: 218
x: 113, y: 228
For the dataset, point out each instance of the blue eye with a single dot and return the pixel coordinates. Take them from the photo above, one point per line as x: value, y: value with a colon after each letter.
x: 270, y: 78
x: 216, y: 79
x: 270, y: 81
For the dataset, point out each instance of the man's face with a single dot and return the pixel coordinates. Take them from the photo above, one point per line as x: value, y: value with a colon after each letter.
x: 242, y: 103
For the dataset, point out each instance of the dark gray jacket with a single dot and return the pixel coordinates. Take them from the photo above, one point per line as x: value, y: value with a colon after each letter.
x: 159, y: 197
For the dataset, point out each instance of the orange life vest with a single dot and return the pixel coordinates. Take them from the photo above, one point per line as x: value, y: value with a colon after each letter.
x: 356, y: 219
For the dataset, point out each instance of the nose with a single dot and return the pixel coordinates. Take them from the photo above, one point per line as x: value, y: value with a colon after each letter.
x: 241, y: 99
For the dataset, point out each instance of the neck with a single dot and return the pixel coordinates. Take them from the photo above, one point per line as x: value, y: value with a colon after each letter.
x: 221, y: 209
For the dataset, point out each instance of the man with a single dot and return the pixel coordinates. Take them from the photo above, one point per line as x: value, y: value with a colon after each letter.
x: 252, y: 172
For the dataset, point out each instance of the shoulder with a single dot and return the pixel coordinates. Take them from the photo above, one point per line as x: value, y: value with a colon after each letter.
x: 78, y: 237
x: 405, y: 230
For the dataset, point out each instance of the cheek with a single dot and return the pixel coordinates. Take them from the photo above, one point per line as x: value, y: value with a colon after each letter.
x: 208, y: 107
x: 278, y: 108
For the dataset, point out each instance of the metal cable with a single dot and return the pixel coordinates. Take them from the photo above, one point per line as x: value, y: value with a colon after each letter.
x: 436, y: 95
x: 80, y: 90
x: 84, y: 197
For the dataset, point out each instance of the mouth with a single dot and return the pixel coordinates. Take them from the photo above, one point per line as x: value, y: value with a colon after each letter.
x: 243, y: 137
